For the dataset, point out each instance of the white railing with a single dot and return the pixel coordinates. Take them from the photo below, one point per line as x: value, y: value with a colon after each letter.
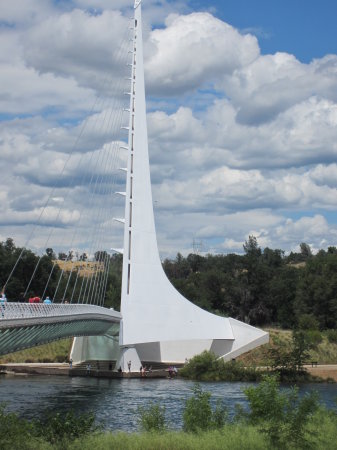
x: 41, y: 310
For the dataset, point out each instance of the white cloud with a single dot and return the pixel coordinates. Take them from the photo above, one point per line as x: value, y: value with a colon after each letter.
x: 192, y: 49
x: 273, y: 83
x: 257, y: 156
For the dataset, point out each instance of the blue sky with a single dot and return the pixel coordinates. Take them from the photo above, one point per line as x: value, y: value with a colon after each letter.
x: 242, y: 118
x: 305, y: 28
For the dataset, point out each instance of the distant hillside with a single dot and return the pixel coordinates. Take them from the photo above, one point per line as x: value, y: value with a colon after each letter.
x: 85, y: 268
x: 324, y: 352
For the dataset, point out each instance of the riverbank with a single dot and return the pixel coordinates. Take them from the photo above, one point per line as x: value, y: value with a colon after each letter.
x: 326, y: 372
x: 63, y: 369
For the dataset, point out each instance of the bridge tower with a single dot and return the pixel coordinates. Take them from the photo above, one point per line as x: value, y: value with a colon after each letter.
x: 160, y: 326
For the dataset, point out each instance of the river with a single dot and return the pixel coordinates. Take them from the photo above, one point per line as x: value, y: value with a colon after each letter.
x: 115, y: 401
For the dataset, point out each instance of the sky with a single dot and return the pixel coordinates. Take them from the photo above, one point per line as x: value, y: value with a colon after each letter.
x: 242, y: 115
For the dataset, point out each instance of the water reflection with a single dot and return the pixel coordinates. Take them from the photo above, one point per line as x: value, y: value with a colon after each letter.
x: 115, y: 402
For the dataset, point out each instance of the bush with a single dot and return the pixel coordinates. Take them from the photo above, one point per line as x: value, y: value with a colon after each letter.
x: 199, y: 365
x: 17, y: 433
x: 282, y: 416
x: 152, y: 418
x: 332, y: 336
x: 198, y: 415
x: 58, y: 427
x: 207, y: 366
x: 308, y: 322
x: 314, y: 337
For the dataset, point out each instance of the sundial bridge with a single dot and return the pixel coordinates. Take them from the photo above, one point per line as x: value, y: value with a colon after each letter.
x: 156, y: 325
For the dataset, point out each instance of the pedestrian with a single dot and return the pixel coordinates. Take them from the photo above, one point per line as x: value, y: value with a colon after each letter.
x: 129, y: 366
x: 70, y: 363
x: 88, y: 368
x: 47, y: 301
x: 3, y: 301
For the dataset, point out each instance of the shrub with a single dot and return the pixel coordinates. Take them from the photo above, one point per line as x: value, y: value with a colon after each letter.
x: 58, y: 427
x: 16, y: 433
x: 332, y: 336
x: 198, y: 412
x: 208, y: 366
x: 308, y: 322
x: 198, y: 415
x: 314, y: 337
x: 282, y: 416
x: 152, y: 418
x: 199, y: 365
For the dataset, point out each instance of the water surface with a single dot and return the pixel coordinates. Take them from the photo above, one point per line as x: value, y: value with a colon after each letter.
x: 115, y: 401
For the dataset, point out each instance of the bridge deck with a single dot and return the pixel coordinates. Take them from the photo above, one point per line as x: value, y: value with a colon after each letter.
x: 24, y: 325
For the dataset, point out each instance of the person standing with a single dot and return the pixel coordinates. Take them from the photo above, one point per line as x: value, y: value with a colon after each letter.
x: 3, y: 301
x: 129, y: 366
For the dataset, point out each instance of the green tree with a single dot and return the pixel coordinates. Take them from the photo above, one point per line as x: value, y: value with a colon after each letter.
x: 282, y: 416
x: 50, y: 253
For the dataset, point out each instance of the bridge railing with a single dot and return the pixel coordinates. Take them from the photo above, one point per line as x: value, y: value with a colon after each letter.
x: 31, y: 310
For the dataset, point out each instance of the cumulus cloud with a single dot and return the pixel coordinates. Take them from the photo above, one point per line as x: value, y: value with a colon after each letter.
x: 273, y: 83
x: 252, y: 151
x: 81, y: 45
x: 193, y: 49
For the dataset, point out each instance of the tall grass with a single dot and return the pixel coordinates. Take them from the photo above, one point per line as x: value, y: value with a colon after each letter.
x: 321, y: 435
x: 230, y: 437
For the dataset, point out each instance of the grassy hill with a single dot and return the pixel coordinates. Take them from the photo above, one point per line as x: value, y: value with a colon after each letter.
x: 324, y: 353
x: 57, y: 351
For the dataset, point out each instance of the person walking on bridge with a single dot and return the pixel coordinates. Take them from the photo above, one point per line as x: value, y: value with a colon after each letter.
x: 3, y: 301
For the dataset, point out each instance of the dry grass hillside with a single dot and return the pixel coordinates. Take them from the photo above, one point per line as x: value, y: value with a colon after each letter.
x: 85, y: 268
x: 57, y: 351
x: 324, y: 353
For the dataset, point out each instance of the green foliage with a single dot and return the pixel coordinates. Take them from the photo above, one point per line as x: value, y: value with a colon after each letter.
x: 199, y: 365
x: 314, y: 337
x: 282, y: 416
x: 207, y: 366
x: 332, y: 336
x: 300, y: 350
x: 15, y: 432
x: 58, y: 427
x: 308, y: 322
x: 232, y: 437
x: 152, y: 418
x: 55, y: 430
x: 198, y: 415
x: 288, y: 360
x: 261, y: 287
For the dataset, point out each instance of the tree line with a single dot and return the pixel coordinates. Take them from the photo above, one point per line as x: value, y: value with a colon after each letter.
x: 34, y: 275
x: 261, y: 286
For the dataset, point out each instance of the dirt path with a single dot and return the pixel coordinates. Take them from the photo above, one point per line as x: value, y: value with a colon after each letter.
x: 324, y: 371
